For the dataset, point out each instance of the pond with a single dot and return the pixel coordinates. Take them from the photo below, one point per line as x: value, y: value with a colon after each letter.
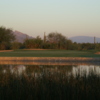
x: 38, y: 70
x: 63, y: 81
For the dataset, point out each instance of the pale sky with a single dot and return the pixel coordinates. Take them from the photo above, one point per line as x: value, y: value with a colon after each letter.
x: 69, y: 17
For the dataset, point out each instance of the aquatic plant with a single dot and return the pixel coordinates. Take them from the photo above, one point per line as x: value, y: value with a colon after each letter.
x: 49, y: 86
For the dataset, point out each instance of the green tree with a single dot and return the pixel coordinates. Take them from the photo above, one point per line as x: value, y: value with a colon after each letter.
x: 38, y: 42
x: 16, y: 45
x: 6, y: 37
x: 33, y: 43
x: 58, y: 40
x: 29, y: 43
x: 69, y: 44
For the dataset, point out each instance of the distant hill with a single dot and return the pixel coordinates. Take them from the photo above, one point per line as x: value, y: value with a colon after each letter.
x: 20, y: 37
x: 84, y: 39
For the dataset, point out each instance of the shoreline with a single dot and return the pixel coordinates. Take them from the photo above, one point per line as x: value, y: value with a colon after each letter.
x: 47, y: 63
x: 52, y: 59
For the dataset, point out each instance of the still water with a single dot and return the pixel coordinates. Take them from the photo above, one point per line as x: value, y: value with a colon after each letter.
x: 50, y: 81
x: 38, y: 70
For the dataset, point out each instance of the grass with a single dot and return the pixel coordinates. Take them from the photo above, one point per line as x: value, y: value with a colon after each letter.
x: 48, y: 53
x: 49, y: 86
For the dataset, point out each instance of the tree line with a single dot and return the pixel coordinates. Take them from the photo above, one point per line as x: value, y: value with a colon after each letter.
x: 53, y: 40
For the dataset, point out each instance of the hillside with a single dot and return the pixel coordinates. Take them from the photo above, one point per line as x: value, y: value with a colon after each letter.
x: 85, y: 39
x: 20, y: 37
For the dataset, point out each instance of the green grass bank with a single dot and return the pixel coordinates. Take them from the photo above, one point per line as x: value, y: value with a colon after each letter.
x: 48, y: 53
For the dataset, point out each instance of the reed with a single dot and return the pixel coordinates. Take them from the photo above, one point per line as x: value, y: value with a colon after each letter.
x: 49, y: 86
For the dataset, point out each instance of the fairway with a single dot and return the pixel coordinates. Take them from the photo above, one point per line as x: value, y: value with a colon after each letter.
x: 48, y: 53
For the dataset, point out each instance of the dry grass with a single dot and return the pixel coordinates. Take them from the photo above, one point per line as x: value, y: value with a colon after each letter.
x: 6, y: 50
x: 97, y: 53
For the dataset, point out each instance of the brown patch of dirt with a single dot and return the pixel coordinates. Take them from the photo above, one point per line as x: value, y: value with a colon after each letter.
x: 38, y: 49
x: 6, y: 50
x: 97, y: 53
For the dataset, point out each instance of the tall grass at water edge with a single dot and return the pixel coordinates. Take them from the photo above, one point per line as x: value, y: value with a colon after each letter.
x: 49, y: 86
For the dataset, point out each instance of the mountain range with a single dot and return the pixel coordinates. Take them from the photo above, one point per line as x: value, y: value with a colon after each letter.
x: 20, y: 37
x: 85, y: 39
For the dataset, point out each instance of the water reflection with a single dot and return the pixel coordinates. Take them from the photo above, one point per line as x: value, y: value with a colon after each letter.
x: 38, y: 70
x: 49, y: 82
x: 84, y: 69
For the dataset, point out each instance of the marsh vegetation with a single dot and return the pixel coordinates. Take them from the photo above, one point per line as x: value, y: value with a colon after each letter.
x: 21, y: 82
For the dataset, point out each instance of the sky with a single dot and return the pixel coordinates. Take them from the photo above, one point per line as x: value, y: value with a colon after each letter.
x: 69, y: 17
